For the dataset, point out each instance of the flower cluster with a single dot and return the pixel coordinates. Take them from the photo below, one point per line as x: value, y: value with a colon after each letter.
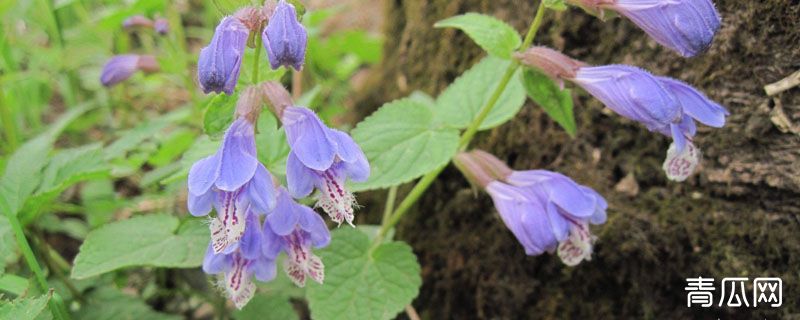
x: 546, y: 211
x: 662, y: 104
x: 256, y: 219
x: 121, y: 67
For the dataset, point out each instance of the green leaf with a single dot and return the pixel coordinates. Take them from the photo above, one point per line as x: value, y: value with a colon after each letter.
x: 402, y: 142
x: 133, y: 138
x: 361, y: 283
x: 461, y: 102
x: 24, y: 309
x: 493, y: 35
x: 13, y: 284
x: 108, y: 303
x: 152, y: 240
x: 267, y: 307
x: 219, y: 114
x: 557, y: 5
x: 556, y: 102
x: 173, y: 146
x: 8, y: 245
x: 24, y: 168
x: 69, y: 167
x: 271, y: 144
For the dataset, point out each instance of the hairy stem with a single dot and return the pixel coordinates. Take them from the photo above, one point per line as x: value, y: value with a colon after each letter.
x: 425, y: 182
x: 257, y: 59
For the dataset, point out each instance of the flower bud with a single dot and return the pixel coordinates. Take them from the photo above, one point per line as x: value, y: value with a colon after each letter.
x: 137, y: 21
x: 277, y: 96
x: 481, y: 168
x: 161, y: 26
x: 219, y: 62
x: 120, y: 68
x: 285, y: 38
x: 554, y: 64
x: 249, y: 104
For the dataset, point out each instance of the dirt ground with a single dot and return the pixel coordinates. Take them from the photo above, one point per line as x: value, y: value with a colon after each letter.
x: 738, y: 217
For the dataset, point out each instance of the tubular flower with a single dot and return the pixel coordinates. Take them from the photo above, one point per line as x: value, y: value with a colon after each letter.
x: 233, y: 182
x: 664, y: 105
x: 219, y: 62
x: 285, y: 38
x: 685, y: 26
x: 546, y: 211
x: 239, y: 266
x: 294, y: 229
x: 120, y: 68
x: 322, y: 158
x: 161, y: 26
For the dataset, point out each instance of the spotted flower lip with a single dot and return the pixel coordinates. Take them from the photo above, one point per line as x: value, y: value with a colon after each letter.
x: 547, y: 211
x: 219, y: 63
x: 233, y: 182
x: 284, y: 38
x: 294, y: 228
x: 322, y: 158
x: 685, y: 26
x: 242, y: 264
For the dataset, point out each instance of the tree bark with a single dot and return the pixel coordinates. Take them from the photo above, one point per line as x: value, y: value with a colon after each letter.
x: 737, y: 217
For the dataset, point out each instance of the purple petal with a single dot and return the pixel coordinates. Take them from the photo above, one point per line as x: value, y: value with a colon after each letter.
x: 250, y: 245
x: 299, y: 179
x: 558, y: 225
x: 261, y: 191
x: 312, y: 223
x: 219, y: 62
x: 271, y: 243
x: 687, y: 27
x: 200, y: 205
x: 215, y: 263
x: 632, y: 93
x: 264, y: 269
x: 559, y: 189
x: 237, y: 156
x: 308, y: 137
x: 696, y: 104
x: 599, y: 216
x: 285, y: 38
x: 203, y: 174
x: 346, y: 148
x: 513, y: 204
x: 678, y: 137
x: 283, y: 220
x: 119, y: 68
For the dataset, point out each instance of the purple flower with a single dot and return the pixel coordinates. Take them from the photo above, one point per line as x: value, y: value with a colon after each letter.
x: 546, y: 210
x: 233, y: 182
x: 219, y: 62
x: 241, y: 265
x: 294, y: 229
x: 120, y: 68
x: 686, y: 26
x: 161, y: 26
x: 324, y: 158
x: 285, y: 38
x: 662, y: 104
x: 137, y: 21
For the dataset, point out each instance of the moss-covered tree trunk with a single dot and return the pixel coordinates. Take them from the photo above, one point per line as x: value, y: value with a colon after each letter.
x: 739, y: 216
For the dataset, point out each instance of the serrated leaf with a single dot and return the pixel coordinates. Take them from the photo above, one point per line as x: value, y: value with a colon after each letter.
x: 24, y: 168
x: 107, y: 303
x: 152, y: 240
x: 462, y: 101
x: 402, y: 142
x: 361, y: 283
x: 558, y: 5
x: 555, y: 101
x: 493, y: 35
x: 24, y: 309
x: 219, y: 114
x: 267, y: 306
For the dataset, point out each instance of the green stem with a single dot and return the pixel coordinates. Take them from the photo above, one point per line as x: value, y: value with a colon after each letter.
x: 257, y: 58
x: 390, y: 198
x: 56, y: 306
x: 8, y: 124
x: 428, y: 179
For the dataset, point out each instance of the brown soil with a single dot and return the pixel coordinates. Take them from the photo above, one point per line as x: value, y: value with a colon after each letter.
x: 737, y: 217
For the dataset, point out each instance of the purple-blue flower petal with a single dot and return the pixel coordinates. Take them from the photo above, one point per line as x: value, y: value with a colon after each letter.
x: 219, y: 63
x: 312, y: 223
x: 283, y: 219
x: 200, y: 205
x: 237, y: 156
x: 299, y: 179
x: 119, y: 68
x: 261, y: 191
x: 271, y: 243
x: 308, y: 138
x: 215, y: 263
x: 558, y: 224
x: 264, y: 269
x: 203, y: 174
x: 251, y: 243
x: 696, y: 104
x: 284, y: 38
